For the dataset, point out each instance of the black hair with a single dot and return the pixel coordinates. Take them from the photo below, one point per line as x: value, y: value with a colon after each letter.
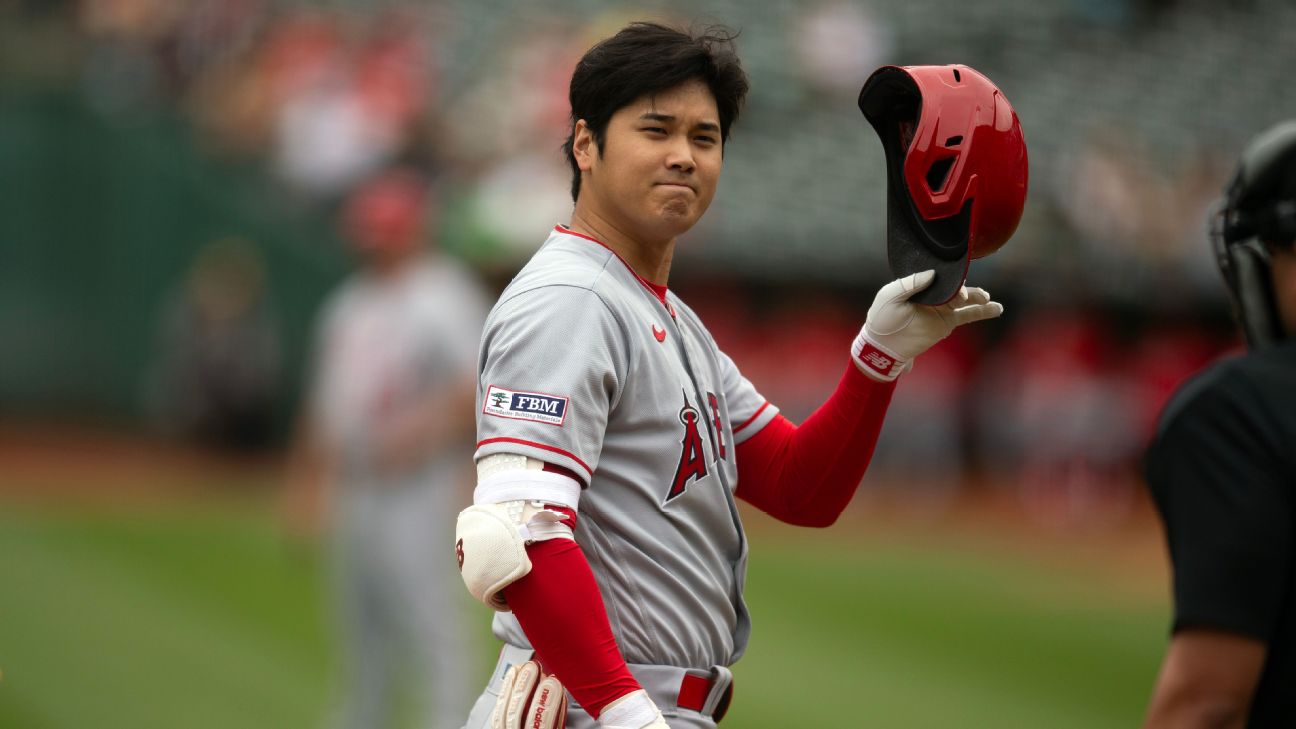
x: 647, y: 58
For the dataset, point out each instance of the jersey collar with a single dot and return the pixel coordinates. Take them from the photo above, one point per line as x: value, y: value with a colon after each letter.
x: 657, y: 290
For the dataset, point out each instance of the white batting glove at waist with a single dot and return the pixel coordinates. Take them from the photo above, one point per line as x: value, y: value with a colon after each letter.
x: 632, y: 711
x: 529, y: 699
x: 532, y: 699
x: 898, y: 330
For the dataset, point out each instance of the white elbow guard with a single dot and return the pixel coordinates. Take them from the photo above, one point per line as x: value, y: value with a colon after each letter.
x: 508, y: 513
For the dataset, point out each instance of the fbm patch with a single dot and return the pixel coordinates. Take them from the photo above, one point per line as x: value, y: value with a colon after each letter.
x: 533, y: 406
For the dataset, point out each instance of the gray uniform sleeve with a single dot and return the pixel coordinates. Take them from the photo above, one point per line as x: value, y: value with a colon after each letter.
x: 553, y: 363
x: 748, y: 410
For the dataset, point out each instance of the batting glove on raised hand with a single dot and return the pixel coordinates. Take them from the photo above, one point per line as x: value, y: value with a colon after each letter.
x: 898, y: 330
x: 529, y: 699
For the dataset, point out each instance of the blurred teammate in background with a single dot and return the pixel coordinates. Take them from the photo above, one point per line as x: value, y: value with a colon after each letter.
x: 614, y: 436
x: 1222, y: 470
x: 384, y: 437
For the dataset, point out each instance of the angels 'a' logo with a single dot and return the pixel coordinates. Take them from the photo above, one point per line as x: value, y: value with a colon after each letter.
x: 692, y: 460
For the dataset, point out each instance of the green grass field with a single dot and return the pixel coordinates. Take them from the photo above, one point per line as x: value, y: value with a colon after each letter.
x: 187, y: 616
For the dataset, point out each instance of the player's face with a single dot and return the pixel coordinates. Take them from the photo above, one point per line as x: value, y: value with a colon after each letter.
x: 660, y: 163
x: 1283, y: 267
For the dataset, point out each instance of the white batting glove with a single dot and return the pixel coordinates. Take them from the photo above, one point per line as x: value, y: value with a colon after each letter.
x: 897, y: 330
x: 529, y: 699
x: 632, y: 711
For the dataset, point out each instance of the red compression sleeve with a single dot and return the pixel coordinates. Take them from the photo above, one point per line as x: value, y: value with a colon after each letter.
x: 562, y: 613
x: 807, y: 475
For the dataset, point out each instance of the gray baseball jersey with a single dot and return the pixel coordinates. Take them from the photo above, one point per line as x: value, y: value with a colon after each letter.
x: 587, y: 366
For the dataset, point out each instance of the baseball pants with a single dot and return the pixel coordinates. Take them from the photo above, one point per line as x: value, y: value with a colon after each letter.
x: 396, y: 593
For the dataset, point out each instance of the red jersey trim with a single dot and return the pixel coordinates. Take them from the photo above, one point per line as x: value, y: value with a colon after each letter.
x: 657, y: 291
x: 541, y: 446
x: 750, y: 420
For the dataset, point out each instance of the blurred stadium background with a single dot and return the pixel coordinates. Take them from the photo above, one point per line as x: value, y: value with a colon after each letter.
x: 171, y: 172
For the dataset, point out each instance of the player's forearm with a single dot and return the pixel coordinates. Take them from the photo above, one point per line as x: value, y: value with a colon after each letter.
x: 1195, y: 712
x: 1207, y: 680
x: 560, y: 609
x: 807, y: 474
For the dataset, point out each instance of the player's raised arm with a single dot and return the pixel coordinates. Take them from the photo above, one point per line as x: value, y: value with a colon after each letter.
x: 956, y: 188
x: 807, y: 475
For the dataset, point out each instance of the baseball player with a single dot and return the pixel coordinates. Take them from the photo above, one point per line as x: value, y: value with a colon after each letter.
x: 1222, y: 471
x: 396, y: 354
x: 614, y: 436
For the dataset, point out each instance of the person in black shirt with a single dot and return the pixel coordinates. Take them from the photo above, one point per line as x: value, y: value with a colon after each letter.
x: 1222, y: 471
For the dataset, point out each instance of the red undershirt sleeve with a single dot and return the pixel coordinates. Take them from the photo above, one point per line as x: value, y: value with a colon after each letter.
x: 559, y: 607
x: 807, y: 474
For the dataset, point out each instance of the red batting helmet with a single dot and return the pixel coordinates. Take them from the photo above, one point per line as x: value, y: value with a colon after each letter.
x: 956, y: 169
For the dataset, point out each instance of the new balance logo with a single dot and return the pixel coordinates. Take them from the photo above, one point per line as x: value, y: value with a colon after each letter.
x: 538, y: 721
x: 874, y: 359
x: 877, y: 361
